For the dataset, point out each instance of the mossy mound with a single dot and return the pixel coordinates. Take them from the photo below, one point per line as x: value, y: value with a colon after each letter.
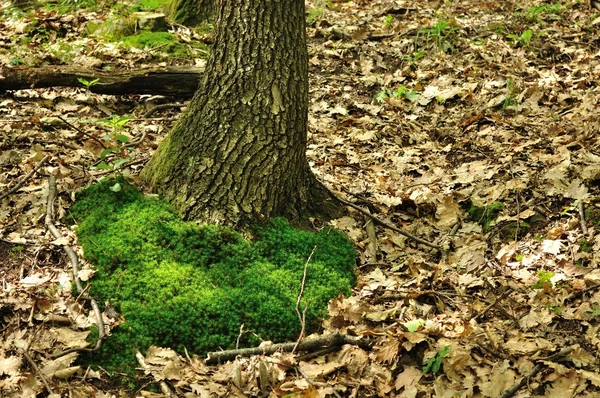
x: 182, y: 285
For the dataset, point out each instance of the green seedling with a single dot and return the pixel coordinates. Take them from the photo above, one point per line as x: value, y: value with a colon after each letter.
x: 523, y: 39
x: 117, y: 141
x: 389, y: 21
x: 400, y: 92
x: 535, y: 13
x: 544, y: 281
x: 433, y: 365
x: 87, y: 83
x: 443, y: 33
x: 485, y: 215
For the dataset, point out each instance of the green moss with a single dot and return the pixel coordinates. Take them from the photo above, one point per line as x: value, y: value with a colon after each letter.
x: 485, y: 215
x: 182, y: 285
x: 585, y: 246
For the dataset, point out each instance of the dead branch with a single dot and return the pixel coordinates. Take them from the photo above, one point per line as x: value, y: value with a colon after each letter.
x: 37, y: 371
x: 382, y: 222
x: 27, y: 177
x: 163, y: 384
x: 536, y: 369
x: 314, y: 344
x: 582, y: 218
x: 180, y: 81
x: 75, y: 269
x: 302, y: 316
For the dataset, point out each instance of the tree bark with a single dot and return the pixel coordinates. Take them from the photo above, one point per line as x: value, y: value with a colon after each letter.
x: 192, y: 12
x: 181, y: 81
x: 238, y: 154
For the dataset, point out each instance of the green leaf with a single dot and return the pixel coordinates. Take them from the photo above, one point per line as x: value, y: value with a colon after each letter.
x: 414, y: 325
x: 104, y: 166
x: 119, y: 163
x: 116, y: 187
x: 105, y: 152
x: 122, y: 138
x: 526, y: 36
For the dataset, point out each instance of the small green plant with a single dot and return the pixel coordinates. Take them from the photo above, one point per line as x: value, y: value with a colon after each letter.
x: 523, y: 39
x: 518, y: 257
x: 400, y: 92
x: 585, y: 246
x: 87, y: 83
x: 433, y: 365
x: 485, y: 215
x: 17, y: 249
x: 557, y: 309
x: 443, y: 34
x: 544, y: 281
x: 117, y: 141
x: 415, y: 57
x: 316, y: 13
x: 535, y: 13
x: 510, y: 99
x: 389, y: 21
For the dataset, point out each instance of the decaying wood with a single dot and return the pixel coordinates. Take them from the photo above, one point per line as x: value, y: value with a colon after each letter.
x: 314, y: 344
x: 178, y: 81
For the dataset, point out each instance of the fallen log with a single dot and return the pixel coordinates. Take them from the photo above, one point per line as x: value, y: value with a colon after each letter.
x: 176, y: 81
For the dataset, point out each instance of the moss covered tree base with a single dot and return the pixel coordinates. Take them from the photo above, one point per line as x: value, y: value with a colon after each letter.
x: 180, y: 285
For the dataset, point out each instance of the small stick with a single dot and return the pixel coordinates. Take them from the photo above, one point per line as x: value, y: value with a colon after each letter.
x: 163, y: 385
x: 582, y: 218
x: 27, y: 177
x: 382, y: 222
x: 489, y: 307
x: 37, y: 370
x: 302, y: 317
x: 80, y: 131
x: 537, y: 369
x: 574, y: 295
x: 313, y: 344
x: 75, y: 269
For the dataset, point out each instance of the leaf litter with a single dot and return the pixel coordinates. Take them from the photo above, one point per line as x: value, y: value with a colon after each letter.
x: 419, y: 111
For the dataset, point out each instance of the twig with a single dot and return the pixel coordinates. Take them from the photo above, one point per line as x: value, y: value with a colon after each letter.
x: 574, y: 295
x: 329, y: 340
x: 162, y: 107
x: 582, y: 218
x: 382, y: 222
x: 163, y: 385
x: 489, y: 307
x: 75, y: 269
x: 125, y: 165
x: 27, y: 177
x: 37, y: 370
x: 302, y: 317
x: 536, y: 369
x: 372, y: 235
x: 80, y: 131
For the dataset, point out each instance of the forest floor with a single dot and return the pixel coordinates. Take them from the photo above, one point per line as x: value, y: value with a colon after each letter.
x: 471, y: 124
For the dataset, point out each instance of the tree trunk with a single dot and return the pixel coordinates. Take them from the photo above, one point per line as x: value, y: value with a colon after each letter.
x: 192, y: 12
x: 238, y: 154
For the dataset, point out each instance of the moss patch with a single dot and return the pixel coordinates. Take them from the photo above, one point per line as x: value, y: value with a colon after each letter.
x: 182, y: 285
x: 485, y: 215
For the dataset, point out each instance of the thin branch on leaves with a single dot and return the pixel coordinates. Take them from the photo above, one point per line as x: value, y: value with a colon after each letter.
x: 582, y: 218
x: 75, y: 269
x: 537, y: 369
x: 314, y: 344
x: 27, y: 177
x: 382, y: 222
x: 163, y: 384
x: 302, y: 316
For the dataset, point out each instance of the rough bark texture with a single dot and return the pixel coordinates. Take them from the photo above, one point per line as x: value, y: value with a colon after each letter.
x: 238, y: 154
x: 192, y: 12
